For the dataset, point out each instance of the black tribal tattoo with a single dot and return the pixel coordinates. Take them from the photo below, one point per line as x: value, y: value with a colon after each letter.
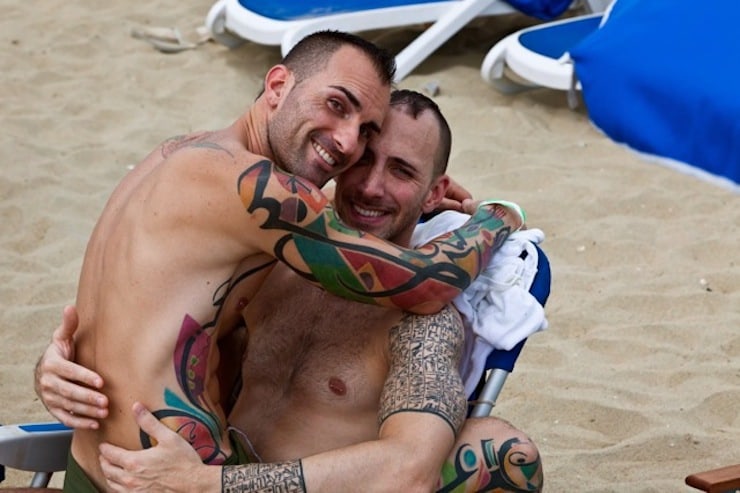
x: 425, y: 350
x: 283, y: 477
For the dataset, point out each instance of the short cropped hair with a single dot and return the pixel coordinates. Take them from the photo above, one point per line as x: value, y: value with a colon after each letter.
x: 413, y: 104
x: 313, y: 52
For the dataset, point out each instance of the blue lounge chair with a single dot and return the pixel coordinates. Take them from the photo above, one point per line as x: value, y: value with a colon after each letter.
x: 284, y: 23
x: 539, y: 56
x: 501, y: 363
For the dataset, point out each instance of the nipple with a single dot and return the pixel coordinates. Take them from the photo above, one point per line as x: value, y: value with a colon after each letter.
x: 337, y: 386
x: 241, y: 304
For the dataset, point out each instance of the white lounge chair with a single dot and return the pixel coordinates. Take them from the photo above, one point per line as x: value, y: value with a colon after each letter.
x: 38, y: 447
x: 284, y: 23
x: 539, y: 57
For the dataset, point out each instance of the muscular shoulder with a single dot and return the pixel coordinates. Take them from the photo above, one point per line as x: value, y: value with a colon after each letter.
x: 215, y: 142
x: 202, y: 169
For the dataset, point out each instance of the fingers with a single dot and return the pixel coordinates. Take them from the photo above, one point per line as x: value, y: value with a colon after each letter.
x: 469, y: 206
x: 74, y: 412
x: 73, y: 372
x: 73, y: 420
x: 457, y: 192
x: 57, y: 377
x: 68, y: 390
x: 112, y: 462
x: 450, y: 205
x: 163, y: 467
x: 71, y: 403
x: 70, y: 321
x: 150, y: 424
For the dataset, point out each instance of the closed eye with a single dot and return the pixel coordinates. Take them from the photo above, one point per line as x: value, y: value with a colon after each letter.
x: 404, y: 171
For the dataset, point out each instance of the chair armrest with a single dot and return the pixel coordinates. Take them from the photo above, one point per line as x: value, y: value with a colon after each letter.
x: 719, y: 480
x: 35, y: 446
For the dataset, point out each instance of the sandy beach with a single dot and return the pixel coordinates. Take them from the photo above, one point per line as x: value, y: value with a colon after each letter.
x: 635, y: 384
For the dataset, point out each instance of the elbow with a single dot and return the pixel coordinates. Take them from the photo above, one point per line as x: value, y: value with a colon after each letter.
x: 413, y: 470
x: 427, y: 308
x: 432, y: 301
x: 433, y: 296
x: 419, y: 478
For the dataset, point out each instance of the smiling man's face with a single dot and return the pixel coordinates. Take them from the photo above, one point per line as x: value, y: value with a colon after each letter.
x: 393, y: 183
x: 322, y: 124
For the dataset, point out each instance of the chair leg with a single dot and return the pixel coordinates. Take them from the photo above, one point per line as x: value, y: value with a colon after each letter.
x: 40, y: 479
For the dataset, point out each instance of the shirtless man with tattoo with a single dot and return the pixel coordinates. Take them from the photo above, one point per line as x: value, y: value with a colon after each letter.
x: 379, y: 407
x: 202, y: 207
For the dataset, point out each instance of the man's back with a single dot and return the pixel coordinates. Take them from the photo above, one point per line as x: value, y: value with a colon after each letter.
x: 154, y: 270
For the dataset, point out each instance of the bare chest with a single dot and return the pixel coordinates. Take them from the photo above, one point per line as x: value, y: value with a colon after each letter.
x: 314, y: 343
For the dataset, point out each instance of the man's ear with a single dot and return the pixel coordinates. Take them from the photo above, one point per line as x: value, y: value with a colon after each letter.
x: 278, y: 82
x: 436, y: 193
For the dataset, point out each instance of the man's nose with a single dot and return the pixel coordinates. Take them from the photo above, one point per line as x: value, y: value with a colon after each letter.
x: 373, y: 184
x: 347, y: 139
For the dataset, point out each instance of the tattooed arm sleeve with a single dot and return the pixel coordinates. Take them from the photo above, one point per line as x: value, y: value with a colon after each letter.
x: 300, y: 229
x: 423, y: 376
x: 285, y: 477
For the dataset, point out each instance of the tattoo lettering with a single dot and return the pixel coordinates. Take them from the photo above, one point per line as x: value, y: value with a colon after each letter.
x: 286, y: 477
x: 423, y: 376
x: 516, y: 466
x: 362, y: 272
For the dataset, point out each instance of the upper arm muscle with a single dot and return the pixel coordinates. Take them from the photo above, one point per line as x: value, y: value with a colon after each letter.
x: 424, y: 376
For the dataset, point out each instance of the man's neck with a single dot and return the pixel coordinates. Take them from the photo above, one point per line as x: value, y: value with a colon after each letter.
x: 252, y: 131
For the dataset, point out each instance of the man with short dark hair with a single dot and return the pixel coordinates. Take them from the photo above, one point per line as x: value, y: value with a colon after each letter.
x: 340, y: 396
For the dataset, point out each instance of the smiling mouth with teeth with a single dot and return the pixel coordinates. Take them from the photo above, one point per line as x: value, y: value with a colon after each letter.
x: 367, y: 212
x: 324, y: 154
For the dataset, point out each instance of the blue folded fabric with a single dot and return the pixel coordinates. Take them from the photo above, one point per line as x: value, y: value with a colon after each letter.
x: 662, y: 76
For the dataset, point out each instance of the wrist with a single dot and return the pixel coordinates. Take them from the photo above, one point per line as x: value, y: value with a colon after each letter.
x: 207, y: 478
x: 512, y: 206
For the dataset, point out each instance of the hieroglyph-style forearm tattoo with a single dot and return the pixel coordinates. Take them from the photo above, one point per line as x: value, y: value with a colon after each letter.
x: 423, y: 374
x: 285, y: 477
x: 362, y: 270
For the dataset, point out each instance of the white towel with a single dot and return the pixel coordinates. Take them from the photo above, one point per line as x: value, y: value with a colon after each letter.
x: 497, y: 309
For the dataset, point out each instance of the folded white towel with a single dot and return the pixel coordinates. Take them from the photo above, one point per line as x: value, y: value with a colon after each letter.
x: 497, y: 309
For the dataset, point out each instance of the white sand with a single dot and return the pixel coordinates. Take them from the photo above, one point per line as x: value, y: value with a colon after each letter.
x: 635, y: 385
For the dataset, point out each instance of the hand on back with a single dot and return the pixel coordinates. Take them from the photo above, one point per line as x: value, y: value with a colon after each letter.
x: 66, y: 388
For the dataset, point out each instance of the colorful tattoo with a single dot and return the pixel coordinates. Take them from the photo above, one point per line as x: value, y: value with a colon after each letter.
x: 189, y: 411
x: 363, y: 272
x: 286, y: 477
x: 192, y: 417
x: 423, y: 375
x: 516, y: 466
